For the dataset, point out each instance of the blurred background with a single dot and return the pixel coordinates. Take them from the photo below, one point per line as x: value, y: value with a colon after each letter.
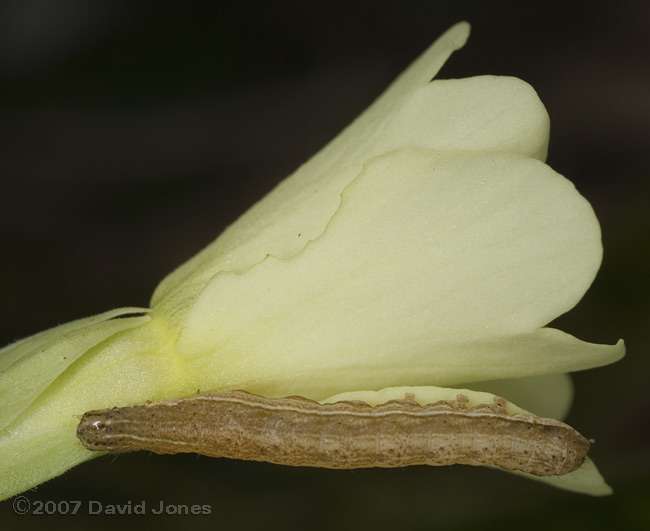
x: 132, y: 133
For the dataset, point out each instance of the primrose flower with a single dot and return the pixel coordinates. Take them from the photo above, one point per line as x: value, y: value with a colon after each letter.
x: 423, y: 250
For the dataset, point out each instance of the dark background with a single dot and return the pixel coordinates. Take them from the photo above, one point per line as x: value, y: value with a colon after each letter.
x: 132, y: 133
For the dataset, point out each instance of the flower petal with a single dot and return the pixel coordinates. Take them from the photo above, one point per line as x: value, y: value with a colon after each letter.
x: 546, y: 395
x: 415, y: 362
x: 477, y: 114
x: 483, y: 113
x: 427, y: 394
x: 432, y: 263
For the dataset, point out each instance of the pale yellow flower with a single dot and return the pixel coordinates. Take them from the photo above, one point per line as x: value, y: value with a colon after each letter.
x: 422, y: 250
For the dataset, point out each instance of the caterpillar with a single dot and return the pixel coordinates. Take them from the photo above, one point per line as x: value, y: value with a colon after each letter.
x: 296, y: 431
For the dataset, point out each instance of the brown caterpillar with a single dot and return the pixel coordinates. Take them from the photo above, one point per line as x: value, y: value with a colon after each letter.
x: 297, y: 431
